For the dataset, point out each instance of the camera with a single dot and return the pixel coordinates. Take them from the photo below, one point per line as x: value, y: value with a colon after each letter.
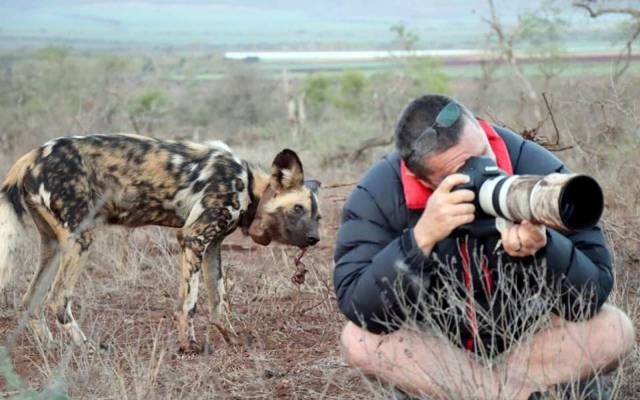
x: 561, y: 201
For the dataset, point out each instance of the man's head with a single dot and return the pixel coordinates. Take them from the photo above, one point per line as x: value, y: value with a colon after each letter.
x: 435, y: 135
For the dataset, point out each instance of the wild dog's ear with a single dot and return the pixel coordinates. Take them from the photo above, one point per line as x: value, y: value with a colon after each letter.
x: 313, y: 185
x: 286, y: 171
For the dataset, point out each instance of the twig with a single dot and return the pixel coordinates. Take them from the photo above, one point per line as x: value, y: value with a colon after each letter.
x: 305, y: 310
x: 379, y: 141
x: 553, y: 119
x: 339, y: 185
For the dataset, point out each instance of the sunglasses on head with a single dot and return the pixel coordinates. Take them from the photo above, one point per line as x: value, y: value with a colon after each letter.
x: 445, y: 119
x: 448, y: 116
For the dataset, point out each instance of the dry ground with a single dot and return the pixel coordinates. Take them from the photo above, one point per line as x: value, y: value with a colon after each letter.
x: 287, y: 335
x: 287, y: 342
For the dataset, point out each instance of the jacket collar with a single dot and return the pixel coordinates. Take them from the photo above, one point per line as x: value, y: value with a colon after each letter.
x: 416, y: 194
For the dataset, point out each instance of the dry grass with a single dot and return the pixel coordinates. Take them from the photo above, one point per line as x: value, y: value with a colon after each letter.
x: 287, y: 335
x: 287, y: 343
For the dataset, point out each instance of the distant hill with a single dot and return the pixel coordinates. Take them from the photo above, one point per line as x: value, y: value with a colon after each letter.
x: 259, y: 24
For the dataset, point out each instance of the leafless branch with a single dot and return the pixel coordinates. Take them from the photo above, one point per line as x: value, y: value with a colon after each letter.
x: 594, y: 13
x: 553, y: 119
x: 505, y: 43
x: 624, y: 60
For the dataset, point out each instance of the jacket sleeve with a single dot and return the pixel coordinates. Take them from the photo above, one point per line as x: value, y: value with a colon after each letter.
x: 579, y: 262
x: 373, y: 262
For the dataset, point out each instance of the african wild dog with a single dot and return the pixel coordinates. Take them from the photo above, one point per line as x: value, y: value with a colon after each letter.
x: 71, y: 185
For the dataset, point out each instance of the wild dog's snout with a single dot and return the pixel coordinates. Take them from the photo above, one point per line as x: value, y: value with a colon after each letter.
x: 312, y: 239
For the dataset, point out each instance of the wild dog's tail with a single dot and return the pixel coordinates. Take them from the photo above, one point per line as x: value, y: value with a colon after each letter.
x: 12, y: 209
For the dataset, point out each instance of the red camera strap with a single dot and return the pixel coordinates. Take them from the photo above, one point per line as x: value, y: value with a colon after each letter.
x: 465, y: 259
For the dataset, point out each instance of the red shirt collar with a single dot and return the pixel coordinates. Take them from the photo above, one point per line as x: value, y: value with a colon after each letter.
x: 416, y: 194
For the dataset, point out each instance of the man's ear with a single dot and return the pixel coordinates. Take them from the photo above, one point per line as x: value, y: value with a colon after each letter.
x: 286, y: 171
x: 313, y: 185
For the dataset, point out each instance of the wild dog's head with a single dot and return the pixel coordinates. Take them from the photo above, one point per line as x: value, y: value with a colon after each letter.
x: 288, y: 210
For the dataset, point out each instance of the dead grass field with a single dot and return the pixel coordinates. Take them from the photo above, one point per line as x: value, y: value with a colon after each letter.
x: 286, y: 344
x: 287, y: 335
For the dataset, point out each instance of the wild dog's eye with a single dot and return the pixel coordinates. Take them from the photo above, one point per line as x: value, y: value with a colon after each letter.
x: 298, y: 208
x: 318, y: 218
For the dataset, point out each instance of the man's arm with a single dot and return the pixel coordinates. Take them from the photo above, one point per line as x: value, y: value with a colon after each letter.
x: 370, y: 256
x: 579, y: 262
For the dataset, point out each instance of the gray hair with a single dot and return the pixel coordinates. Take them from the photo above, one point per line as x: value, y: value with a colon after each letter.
x: 418, y: 115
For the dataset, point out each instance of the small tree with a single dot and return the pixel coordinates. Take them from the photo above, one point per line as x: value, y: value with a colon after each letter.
x: 352, y: 85
x: 631, y: 27
x: 406, y: 38
x: 540, y: 32
x: 316, y: 90
x: 146, y: 108
x: 428, y: 76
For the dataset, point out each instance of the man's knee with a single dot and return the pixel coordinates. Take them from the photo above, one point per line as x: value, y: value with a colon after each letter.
x: 618, y: 332
x: 357, y: 346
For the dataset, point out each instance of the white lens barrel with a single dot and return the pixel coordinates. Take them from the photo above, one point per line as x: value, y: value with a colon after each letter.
x: 486, y: 196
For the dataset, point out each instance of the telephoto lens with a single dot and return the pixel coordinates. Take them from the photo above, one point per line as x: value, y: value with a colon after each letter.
x: 562, y: 201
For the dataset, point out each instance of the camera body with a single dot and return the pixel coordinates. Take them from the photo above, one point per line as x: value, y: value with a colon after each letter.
x: 562, y: 201
x: 479, y: 170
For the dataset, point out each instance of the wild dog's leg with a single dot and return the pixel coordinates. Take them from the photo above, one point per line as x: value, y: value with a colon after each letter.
x: 74, y: 256
x: 212, y: 266
x: 34, y: 299
x: 207, y: 223
x: 48, y: 249
x: 192, y: 254
x: 216, y: 292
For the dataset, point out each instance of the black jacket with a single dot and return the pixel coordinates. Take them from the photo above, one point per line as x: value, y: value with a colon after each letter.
x: 376, y: 234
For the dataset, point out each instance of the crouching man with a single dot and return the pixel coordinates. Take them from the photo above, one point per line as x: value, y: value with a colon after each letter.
x: 479, y: 315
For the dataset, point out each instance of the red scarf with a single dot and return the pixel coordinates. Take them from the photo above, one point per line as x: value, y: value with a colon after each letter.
x: 416, y: 194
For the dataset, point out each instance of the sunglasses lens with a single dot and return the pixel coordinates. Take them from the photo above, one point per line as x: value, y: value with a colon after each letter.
x: 448, y: 115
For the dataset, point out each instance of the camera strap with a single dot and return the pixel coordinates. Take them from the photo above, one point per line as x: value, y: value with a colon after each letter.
x: 467, y: 275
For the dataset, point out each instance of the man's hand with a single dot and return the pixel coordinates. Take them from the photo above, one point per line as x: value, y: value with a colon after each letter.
x: 524, y: 239
x: 444, y: 212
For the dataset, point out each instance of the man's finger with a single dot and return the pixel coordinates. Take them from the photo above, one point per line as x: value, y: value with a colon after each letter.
x: 461, y: 196
x: 525, y: 237
x: 464, y: 219
x: 451, y: 181
x: 537, y: 232
x: 462, y: 209
x: 512, y: 242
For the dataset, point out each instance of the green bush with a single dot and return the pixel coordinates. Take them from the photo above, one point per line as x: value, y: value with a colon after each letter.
x: 316, y: 90
x: 149, y: 102
x: 352, y: 85
x: 428, y: 76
